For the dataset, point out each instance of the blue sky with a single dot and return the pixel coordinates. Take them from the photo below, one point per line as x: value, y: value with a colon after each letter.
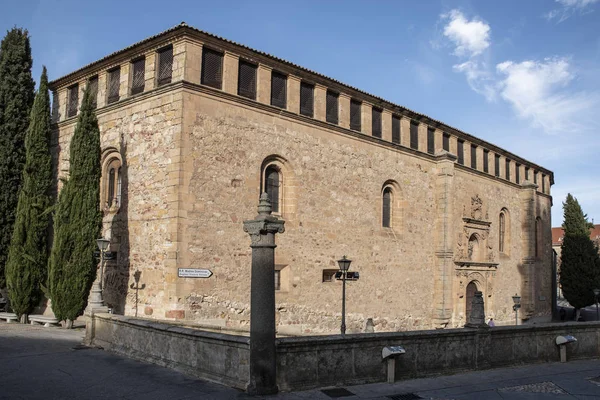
x: 521, y: 74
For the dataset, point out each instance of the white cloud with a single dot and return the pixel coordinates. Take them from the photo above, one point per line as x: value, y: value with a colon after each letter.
x: 471, y: 38
x: 568, y: 8
x: 537, y: 90
x: 478, y: 78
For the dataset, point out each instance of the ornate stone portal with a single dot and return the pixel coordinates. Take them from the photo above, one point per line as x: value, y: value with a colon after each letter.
x: 474, y: 260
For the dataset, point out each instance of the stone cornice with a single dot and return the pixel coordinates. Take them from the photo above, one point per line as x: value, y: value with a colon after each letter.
x: 218, y: 43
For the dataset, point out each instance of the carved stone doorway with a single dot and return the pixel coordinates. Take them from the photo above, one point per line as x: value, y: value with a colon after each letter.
x: 471, y: 289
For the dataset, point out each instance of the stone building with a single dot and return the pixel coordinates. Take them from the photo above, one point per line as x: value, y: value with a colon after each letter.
x: 194, y: 127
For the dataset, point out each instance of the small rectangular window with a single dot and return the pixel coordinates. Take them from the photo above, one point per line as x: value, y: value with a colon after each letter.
x: 138, y: 79
x: 486, y: 161
x: 497, y: 165
x: 376, y: 122
x: 535, y: 177
x: 165, y: 65
x: 93, y: 88
x: 395, y: 129
x: 329, y: 275
x: 355, y: 115
x: 73, y: 101
x: 277, y: 279
x: 212, y: 68
x: 518, y: 173
x: 114, y: 84
x: 247, y: 80
x: 473, y: 156
x: 460, y: 150
x: 446, y: 142
x: 526, y: 173
x: 543, y: 183
x: 430, y: 140
x: 278, y: 90
x: 414, y: 135
x: 307, y: 99
x: 332, y: 104
x: 507, y: 174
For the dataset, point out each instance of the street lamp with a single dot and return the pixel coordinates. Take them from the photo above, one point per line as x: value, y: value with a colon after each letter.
x: 596, y: 294
x: 344, y: 264
x: 516, y: 306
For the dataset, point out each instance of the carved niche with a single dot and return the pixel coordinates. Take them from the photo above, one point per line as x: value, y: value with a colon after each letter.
x: 473, y: 247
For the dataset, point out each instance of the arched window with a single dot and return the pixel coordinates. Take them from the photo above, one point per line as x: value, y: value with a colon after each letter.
x: 111, y: 181
x: 272, y: 186
x: 386, y: 217
x: 538, y: 237
x: 501, y: 232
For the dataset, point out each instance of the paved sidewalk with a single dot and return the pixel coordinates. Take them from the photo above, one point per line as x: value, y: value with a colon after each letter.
x: 50, y: 363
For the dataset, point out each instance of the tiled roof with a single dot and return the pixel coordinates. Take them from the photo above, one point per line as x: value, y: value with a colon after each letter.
x: 559, y: 233
x: 183, y: 26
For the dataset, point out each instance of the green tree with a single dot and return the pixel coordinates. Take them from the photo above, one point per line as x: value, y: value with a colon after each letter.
x: 28, y: 254
x: 580, y: 263
x: 77, y: 220
x: 16, y: 98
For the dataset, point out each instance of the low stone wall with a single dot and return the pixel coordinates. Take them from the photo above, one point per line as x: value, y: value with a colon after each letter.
x: 216, y: 357
x: 310, y: 362
x: 320, y: 361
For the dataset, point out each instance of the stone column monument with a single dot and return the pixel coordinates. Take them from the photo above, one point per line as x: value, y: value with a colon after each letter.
x: 263, y: 367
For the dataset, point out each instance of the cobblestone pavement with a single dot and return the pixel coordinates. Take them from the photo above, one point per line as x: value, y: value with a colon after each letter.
x: 50, y: 363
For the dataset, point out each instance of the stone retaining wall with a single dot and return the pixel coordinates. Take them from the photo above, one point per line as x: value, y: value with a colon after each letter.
x: 320, y: 361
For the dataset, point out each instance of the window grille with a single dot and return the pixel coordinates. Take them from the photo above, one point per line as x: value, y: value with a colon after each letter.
x: 486, y: 166
x: 414, y: 135
x: 111, y: 186
x: 93, y: 88
x: 355, y: 115
x: 497, y: 165
x: 306, y: 99
x: 114, y: 83
x: 212, y: 68
x: 165, y: 65
x: 138, y: 76
x: 446, y: 142
x: 518, y: 173
x: 501, y: 232
x: 247, y: 80
x: 473, y: 156
x: 332, y: 102
x: 73, y: 101
x: 430, y: 140
x: 387, y: 208
x: 277, y: 279
x: 395, y: 129
x: 272, y: 185
x: 376, y: 122
x: 278, y: 90
x: 460, y: 151
x: 507, y: 169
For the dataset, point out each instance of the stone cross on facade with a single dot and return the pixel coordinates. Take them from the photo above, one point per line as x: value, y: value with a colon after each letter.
x: 263, y: 362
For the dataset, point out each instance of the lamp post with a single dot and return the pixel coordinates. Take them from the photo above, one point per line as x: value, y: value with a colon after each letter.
x: 596, y: 294
x: 516, y: 306
x: 344, y: 264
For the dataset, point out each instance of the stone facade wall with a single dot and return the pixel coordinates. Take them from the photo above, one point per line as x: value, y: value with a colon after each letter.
x: 193, y: 159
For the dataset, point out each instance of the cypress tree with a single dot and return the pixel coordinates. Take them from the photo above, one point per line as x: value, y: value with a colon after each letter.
x: 16, y: 98
x: 580, y: 263
x: 28, y: 254
x: 77, y: 221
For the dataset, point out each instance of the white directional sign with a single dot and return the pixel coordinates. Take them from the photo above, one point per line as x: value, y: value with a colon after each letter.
x: 194, y: 273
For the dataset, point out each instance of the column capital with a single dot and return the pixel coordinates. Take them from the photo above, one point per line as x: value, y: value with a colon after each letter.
x: 263, y: 228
